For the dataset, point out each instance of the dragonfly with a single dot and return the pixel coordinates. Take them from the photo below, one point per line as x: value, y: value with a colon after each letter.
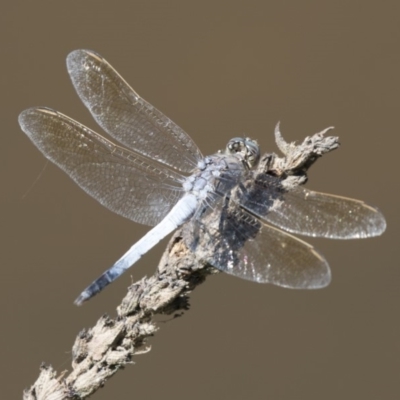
x: 154, y: 174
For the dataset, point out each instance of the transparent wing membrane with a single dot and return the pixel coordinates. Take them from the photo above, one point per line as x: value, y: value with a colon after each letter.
x: 236, y: 242
x: 309, y: 213
x: 125, y: 116
x: 123, y: 181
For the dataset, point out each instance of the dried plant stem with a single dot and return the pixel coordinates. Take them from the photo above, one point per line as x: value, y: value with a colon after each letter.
x: 98, y: 353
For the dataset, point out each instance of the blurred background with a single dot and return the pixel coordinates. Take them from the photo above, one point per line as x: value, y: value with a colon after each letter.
x: 219, y: 69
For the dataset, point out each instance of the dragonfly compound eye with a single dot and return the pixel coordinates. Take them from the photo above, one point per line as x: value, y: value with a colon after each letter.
x: 235, y: 145
x: 247, y: 148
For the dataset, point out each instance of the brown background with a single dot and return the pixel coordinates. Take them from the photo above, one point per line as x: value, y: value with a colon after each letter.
x: 219, y: 69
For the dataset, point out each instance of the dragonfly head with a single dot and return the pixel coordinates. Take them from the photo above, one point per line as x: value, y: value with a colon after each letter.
x: 246, y: 148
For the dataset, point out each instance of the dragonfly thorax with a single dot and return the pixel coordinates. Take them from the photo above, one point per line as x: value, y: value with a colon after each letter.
x: 247, y: 149
x: 222, y: 170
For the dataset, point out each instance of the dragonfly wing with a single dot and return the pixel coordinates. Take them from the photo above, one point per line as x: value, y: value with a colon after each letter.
x: 123, y: 181
x: 125, y: 116
x: 309, y: 213
x: 236, y: 242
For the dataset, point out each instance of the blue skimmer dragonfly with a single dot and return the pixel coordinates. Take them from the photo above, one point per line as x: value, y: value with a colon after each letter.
x: 155, y: 175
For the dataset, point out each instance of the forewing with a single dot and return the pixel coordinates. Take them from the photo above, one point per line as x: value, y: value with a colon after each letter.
x: 128, y: 118
x: 123, y: 181
x: 309, y: 213
x: 236, y: 242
